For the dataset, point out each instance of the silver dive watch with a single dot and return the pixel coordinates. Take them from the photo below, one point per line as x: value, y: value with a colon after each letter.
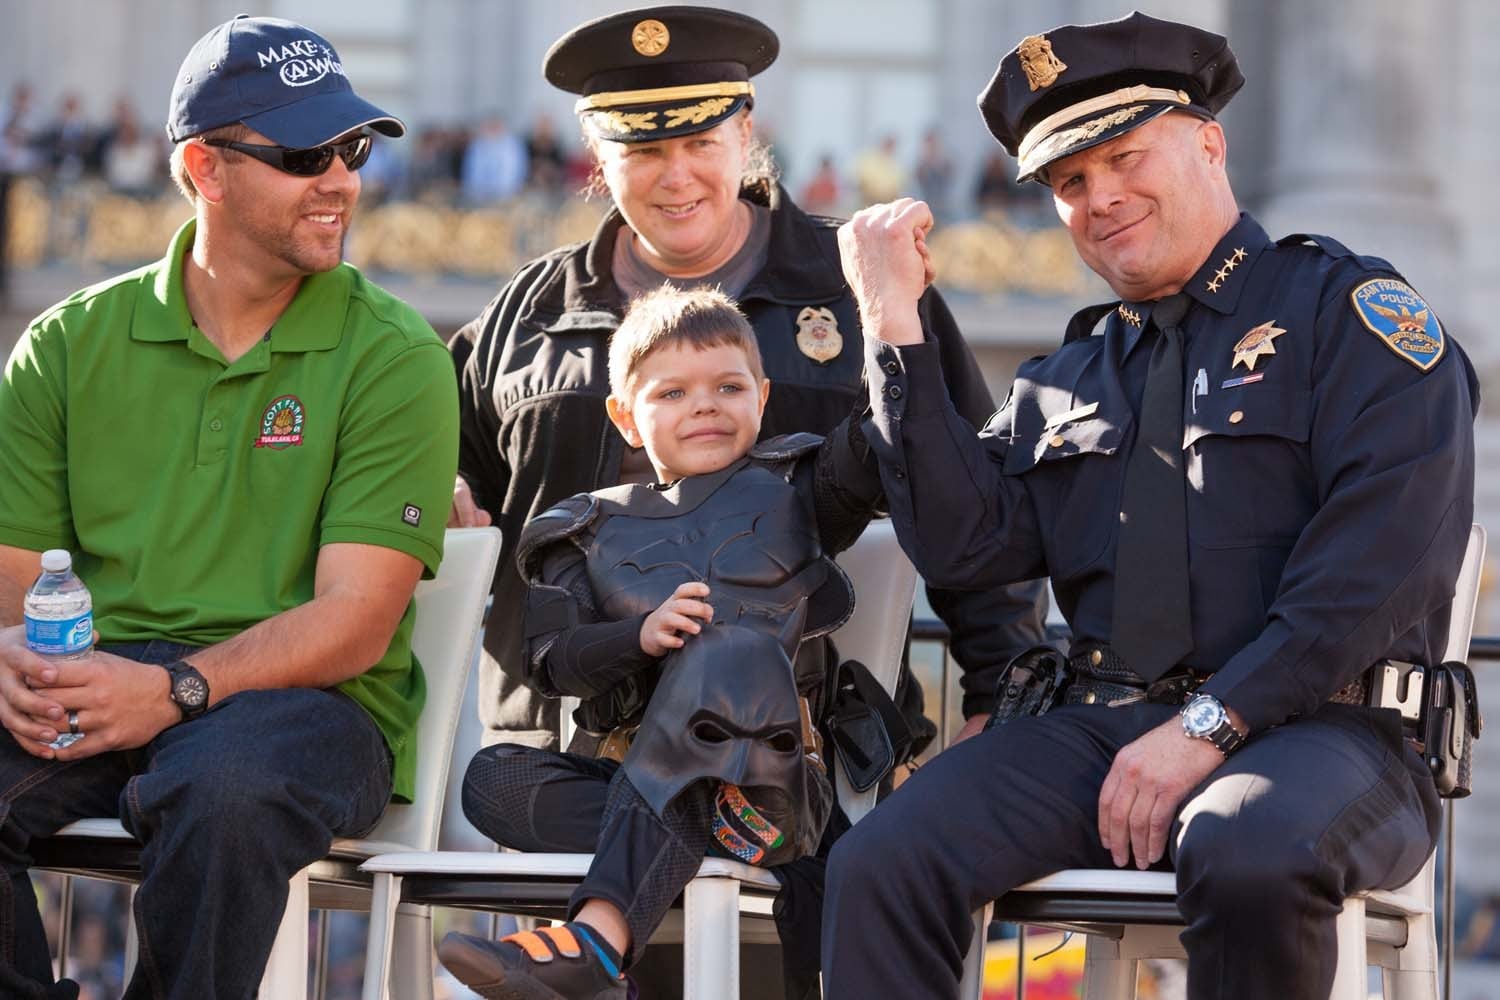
x: 1204, y: 718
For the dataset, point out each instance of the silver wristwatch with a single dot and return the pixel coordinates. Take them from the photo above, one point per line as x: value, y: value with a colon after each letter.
x: 1204, y: 718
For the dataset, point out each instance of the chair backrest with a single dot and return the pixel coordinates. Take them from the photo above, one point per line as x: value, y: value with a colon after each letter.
x: 1466, y: 597
x: 1418, y: 894
x: 450, y: 612
x: 885, y: 585
x: 455, y: 831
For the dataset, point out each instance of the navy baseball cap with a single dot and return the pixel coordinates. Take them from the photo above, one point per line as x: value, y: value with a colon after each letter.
x: 277, y: 77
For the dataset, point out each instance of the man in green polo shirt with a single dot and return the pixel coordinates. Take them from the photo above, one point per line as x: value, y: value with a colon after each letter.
x: 250, y: 451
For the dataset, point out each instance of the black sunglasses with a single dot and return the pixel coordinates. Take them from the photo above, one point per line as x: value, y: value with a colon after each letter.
x: 304, y: 162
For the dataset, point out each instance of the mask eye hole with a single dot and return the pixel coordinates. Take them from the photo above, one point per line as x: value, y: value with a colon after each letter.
x: 710, y: 732
x: 784, y: 741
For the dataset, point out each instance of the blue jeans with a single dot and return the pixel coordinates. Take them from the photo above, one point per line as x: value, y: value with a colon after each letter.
x: 228, y: 807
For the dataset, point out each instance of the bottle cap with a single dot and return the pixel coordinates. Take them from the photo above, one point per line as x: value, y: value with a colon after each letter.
x: 57, y: 561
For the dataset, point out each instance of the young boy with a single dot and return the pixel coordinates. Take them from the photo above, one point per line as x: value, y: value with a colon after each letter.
x: 687, y: 615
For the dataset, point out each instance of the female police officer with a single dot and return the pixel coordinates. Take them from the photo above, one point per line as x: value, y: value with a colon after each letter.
x: 665, y: 107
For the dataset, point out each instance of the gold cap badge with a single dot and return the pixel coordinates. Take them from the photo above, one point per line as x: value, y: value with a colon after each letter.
x: 650, y: 38
x: 818, y: 334
x: 1041, y: 66
x: 1255, y: 344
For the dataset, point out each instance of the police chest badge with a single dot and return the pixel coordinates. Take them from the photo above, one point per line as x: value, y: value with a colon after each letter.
x: 818, y: 334
x: 1255, y: 344
x: 1398, y: 316
x: 281, y: 424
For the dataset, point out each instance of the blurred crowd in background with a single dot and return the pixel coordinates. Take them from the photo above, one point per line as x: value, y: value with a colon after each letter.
x: 487, y: 162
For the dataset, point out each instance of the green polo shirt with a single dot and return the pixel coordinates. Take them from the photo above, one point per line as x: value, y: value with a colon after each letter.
x: 195, y: 494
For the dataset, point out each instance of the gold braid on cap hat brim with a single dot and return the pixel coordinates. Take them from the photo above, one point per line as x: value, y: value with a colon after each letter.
x: 1104, y: 102
x: 656, y: 95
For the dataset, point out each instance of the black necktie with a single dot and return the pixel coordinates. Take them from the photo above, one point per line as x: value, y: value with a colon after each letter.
x: 1152, y: 628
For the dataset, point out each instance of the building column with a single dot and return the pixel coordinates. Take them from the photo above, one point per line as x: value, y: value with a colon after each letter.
x: 1353, y: 131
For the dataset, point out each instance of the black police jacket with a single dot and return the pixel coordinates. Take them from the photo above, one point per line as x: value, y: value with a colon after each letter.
x: 1330, y: 477
x: 533, y: 429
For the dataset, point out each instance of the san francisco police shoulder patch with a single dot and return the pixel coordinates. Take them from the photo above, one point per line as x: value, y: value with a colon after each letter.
x: 1398, y: 316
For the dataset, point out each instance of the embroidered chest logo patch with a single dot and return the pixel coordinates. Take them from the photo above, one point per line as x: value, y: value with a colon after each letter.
x: 818, y: 334
x: 1399, y: 317
x: 281, y: 424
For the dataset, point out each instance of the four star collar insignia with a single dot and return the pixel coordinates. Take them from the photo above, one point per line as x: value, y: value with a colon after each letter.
x: 1230, y: 263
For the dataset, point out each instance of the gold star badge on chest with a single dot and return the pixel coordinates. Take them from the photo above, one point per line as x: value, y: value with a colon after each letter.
x: 1255, y: 345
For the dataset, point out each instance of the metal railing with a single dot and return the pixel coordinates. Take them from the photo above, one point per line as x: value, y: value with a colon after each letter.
x: 1484, y: 648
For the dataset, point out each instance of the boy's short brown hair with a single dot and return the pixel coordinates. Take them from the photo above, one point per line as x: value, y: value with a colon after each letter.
x: 703, y: 317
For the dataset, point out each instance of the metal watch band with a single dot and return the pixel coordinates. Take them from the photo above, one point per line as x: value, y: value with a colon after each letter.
x: 1227, y: 738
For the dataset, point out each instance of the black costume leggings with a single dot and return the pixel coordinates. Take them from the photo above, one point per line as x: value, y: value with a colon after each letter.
x: 543, y: 800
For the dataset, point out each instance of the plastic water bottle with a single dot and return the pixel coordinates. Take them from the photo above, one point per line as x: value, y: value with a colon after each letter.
x: 59, y: 617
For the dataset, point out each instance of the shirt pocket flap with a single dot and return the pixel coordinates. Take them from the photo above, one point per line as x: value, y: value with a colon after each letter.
x: 1092, y: 435
x: 1253, y: 411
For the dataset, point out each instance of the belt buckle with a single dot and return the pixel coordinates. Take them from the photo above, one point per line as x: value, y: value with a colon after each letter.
x: 1173, y: 689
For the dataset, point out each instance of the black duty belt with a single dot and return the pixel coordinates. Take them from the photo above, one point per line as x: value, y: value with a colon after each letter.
x: 1101, y: 677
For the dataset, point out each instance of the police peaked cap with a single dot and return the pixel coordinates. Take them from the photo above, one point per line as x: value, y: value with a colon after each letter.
x: 660, y: 72
x: 1080, y: 85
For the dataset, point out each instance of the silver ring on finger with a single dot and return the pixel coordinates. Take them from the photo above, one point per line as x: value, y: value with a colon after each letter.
x: 73, y: 722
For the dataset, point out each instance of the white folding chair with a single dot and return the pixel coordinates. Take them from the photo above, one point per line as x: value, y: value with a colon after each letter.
x: 446, y: 634
x: 1132, y: 915
x: 723, y: 893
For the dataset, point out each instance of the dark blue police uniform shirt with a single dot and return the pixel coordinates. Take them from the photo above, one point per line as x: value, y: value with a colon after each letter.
x: 1328, y: 447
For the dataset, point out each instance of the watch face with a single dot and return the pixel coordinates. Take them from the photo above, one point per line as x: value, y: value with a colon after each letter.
x: 190, y: 691
x: 1202, y: 716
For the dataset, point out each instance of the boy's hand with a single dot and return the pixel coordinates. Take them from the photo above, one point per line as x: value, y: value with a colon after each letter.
x: 466, y: 513
x: 661, y: 630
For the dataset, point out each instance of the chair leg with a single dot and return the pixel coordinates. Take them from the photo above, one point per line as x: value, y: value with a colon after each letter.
x: 285, y: 977
x: 411, y: 964
x: 64, y: 923
x: 1108, y: 974
x: 320, y: 955
x: 971, y: 986
x: 711, y: 939
x: 1415, y: 976
x: 132, y: 936
x: 386, y: 894
x: 1408, y: 984
x: 1351, y: 979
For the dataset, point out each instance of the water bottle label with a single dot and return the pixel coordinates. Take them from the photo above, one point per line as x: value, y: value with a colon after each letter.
x: 60, y: 636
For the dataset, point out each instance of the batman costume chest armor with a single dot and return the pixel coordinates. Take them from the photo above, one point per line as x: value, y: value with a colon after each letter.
x: 726, y: 706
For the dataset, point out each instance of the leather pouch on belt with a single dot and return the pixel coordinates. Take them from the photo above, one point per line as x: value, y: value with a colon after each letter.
x: 603, y: 746
x: 1031, y: 684
x: 1449, y: 725
x: 870, y: 736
